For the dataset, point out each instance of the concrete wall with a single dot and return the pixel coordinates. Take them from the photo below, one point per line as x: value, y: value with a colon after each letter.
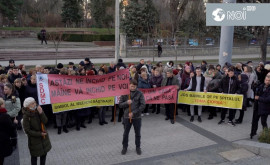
x: 139, y: 52
x: 17, y: 34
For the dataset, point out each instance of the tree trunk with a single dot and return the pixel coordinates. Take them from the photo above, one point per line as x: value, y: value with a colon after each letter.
x: 1, y: 20
x: 264, y: 44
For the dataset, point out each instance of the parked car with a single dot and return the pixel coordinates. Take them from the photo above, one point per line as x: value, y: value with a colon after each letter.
x: 193, y: 42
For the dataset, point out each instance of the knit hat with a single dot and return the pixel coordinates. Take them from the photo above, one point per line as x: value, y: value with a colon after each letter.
x: 175, y: 71
x: 87, y: 59
x: 81, y: 63
x: 28, y: 101
x: 60, y: 66
x: 11, y: 61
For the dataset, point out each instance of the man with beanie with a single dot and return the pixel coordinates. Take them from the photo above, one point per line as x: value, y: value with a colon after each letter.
x: 10, y: 66
x: 87, y: 64
x: 120, y: 63
x: 133, y: 106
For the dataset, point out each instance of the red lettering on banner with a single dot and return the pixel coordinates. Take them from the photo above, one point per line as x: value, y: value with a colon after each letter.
x: 42, y: 93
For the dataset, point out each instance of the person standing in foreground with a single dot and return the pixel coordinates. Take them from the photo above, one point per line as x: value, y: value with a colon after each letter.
x: 34, y: 120
x: 133, y: 105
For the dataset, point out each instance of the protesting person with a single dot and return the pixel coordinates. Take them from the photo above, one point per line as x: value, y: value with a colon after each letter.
x: 243, y: 89
x: 155, y: 82
x: 12, y: 102
x: 8, y: 135
x: 102, y: 109
x: 34, y: 120
x: 170, y: 79
x: 15, y: 74
x: 10, y: 65
x: 133, y: 105
x: 197, y: 84
x: 144, y: 84
x: 229, y: 85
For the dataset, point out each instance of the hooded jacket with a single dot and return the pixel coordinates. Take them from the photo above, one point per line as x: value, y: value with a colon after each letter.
x: 13, y: 106
x: 38, y: 145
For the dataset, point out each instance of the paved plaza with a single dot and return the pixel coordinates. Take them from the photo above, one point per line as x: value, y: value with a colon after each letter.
x: 162, y: 143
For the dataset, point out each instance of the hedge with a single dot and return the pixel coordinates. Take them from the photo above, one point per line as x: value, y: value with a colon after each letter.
x: 83, y: 37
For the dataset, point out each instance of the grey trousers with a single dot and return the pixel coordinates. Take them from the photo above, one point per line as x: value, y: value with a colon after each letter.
x: 61, y: 119
x: 192, y: 110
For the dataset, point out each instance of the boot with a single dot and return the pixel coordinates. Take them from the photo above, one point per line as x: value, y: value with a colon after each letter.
x: 59, y: 130
x: 65, y: 129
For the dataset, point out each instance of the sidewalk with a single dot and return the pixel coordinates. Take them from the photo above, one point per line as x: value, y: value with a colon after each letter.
x: 162, y: 143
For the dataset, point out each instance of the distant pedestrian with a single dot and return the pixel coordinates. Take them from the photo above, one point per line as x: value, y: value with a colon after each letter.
x: 43, y: 35
x: 159, y: 49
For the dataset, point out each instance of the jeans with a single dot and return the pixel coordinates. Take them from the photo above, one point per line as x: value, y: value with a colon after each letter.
x: 137, y: 123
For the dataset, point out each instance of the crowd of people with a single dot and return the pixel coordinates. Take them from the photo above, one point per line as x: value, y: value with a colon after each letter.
x: 19, y: 107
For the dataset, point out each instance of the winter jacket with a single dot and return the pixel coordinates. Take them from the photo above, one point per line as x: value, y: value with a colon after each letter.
x: 166, y: 68
x: 37, y: 144
x: 143, y: 83
x: 251, y: 79
x: 2, y: 90
x: 185, y: 77
x: 7, y: 132
x: 174, y: 81
x: 193, y: 84
x: 213, y: 85
x: 13, y: 77
x: 264, y: 100
x: 243, y: 88
x: 137, y: 105
x: 13, y: 106
x: 156, y: 80
x: 31, y: 91
x: 21, y: 92
x: 225, y: 86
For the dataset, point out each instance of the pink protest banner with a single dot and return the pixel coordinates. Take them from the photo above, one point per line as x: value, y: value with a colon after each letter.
x: 161, y: 95
x: 62, y: 88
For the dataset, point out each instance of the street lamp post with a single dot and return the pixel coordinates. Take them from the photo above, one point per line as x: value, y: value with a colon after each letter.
x: 117, y: 22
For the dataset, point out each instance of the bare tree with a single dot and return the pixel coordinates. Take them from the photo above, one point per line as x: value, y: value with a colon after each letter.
x: 177, y: 9
x: 57, y: 38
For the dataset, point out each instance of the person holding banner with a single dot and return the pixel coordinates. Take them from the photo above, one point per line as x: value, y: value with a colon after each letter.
x: 155, y: 81
x: 197, y: 84
x: 133, y: 105
x: 34, y: 120
x: 143, y: 83
x: 229, y: 85
x: 170, y: 79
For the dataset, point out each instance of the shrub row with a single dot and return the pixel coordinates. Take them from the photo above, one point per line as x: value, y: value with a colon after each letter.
x: 82, y: 37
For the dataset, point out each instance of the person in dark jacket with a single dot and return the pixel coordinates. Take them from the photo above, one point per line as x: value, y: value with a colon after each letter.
x: 34, y: 120
x: 10, y: 65
x: 197, y: 84
x: 159, y: 49
x: 120, y: 63
x: 43, y: 35
x: 31, y: 88
x: 20, y: 89
x: 229, y: 85
x: 140, y: 65
x: 88, y: 64
x: 15, y: 74
x: 133, y: 105
x: 263, y: 97
x: 143, y: 83
x: 7, y: 133
x: 155, y: 82
x: 170, y: 79
x: 213, y: 87
x: 112, y: 67
x: 243, y: 88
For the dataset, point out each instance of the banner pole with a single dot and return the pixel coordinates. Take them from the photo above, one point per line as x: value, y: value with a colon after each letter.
x: 175, y: 105
x: 129, y: 109
x: 114, y: 113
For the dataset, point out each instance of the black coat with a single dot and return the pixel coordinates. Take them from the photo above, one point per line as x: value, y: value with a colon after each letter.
x: 224, y: 85
x: 31, y: 91
x: 21, y: 92
x: 243, y: 88
x: 7, y: 131
x: 264, y: 100
x: 13, y: 77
